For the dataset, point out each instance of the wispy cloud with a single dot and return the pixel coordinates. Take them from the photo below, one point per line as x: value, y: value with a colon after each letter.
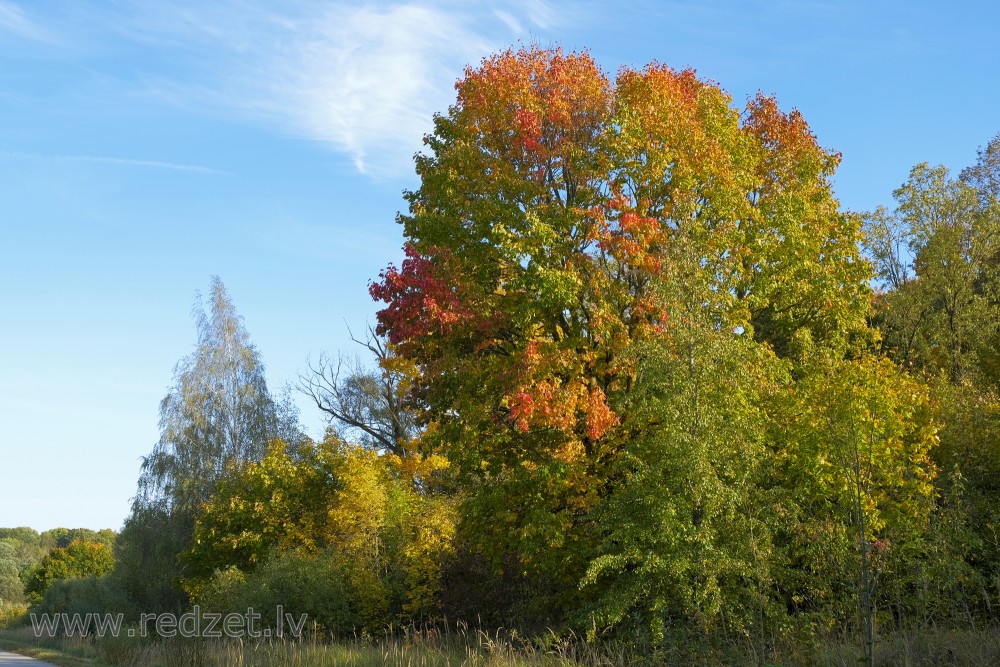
x: 366, y: 81
x: 14, y: 20
x: 363, y: 80
x: 119, y: 161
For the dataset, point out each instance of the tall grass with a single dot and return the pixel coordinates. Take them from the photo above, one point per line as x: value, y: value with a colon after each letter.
x: 428, y: 646
x: 433, y: 646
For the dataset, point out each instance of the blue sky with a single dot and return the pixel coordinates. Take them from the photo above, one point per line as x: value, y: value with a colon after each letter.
x: 146, y: 146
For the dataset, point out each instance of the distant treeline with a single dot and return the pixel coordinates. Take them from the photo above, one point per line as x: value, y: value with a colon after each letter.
x: 30, y: 561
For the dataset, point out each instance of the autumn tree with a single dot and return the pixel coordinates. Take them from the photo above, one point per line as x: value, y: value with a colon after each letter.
x: 569, y: 230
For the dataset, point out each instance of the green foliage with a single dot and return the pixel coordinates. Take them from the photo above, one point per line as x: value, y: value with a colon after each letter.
x: 937, y: 254
x: 314, y: 584
x: 77, y: 559
x: 685, y: 532
x: 62, y: 537
x: 23, y: 549
x: 941, y: 314
x: 856, y: 464
x: 146, y: 564
x: 84, y: 595
x: 281, y: 503
x: 22, y: 534
x: 11, y: 587
x: 970, y: 453
x: 984, y: 176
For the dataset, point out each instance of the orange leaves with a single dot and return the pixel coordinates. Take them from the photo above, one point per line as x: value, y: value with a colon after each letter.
x: 678, y: 131
x: 790, y: 146
x: 534, y: 104
x: 637, y: 241
x: 543, y: 404
x: 664, y: 102
x: 549, y: 404
x: 635, y: 225
x: 600, y: 418
x: 552, y: 393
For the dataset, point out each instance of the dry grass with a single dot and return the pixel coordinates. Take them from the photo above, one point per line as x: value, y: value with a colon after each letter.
x: 929, y: 648
x: 462, y: 647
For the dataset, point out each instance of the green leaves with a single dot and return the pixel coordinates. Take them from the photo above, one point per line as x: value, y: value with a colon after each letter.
x: 940, y: 313
x: 78, y: 559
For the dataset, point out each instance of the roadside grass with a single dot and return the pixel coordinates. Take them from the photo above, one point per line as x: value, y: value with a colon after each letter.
x: 412, y: 648
x: 476, y: 648
x: 62, y: 651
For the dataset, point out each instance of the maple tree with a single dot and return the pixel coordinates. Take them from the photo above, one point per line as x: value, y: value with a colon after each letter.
x: 556, y: 211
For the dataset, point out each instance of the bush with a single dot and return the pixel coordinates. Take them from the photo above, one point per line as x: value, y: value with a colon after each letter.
x: 86, y: 595
x: 312, y: 585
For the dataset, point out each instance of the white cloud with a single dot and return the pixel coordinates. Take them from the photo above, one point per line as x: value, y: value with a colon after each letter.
x: 512, y: 23
x: 366, y: 81
x: 541, y: 13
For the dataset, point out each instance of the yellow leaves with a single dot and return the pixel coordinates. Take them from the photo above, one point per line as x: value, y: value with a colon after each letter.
x: 415, y: 466
x: 571, y: 451
x: 359, y: 507
x: 381, y: 525
x: 425, y: 555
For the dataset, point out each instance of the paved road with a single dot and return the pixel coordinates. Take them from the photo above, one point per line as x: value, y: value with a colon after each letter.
x: 15, y: 660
